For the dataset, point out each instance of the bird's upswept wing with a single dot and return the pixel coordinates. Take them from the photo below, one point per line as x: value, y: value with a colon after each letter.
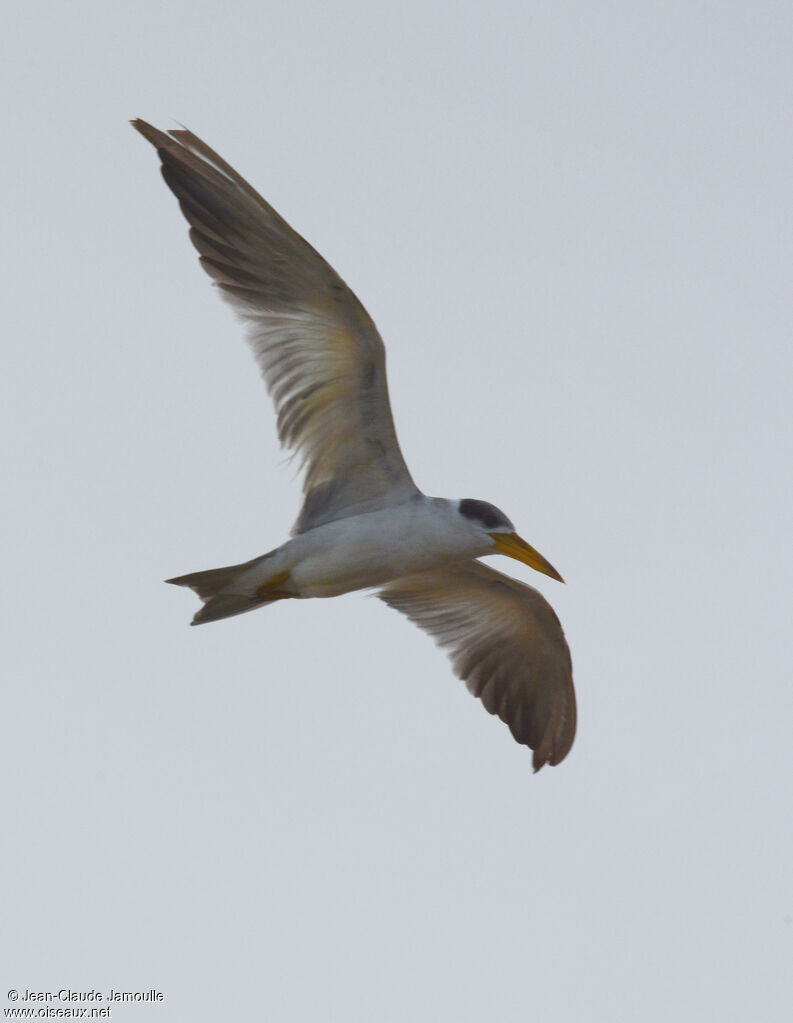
x: 505, y: 642
x: 320, y: 353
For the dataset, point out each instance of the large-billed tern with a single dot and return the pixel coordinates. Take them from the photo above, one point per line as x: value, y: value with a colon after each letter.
x: 364, y: 523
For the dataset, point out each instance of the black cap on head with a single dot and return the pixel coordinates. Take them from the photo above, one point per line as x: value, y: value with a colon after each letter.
x: 485, y: 514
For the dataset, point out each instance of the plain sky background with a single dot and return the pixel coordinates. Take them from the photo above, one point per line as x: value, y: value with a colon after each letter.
x: 572, y: 225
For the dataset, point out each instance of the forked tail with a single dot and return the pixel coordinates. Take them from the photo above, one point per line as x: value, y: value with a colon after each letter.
x: 232, y: 590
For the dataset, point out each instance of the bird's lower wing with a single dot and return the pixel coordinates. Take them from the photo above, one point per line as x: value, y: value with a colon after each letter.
x: 505, y: 642
x: 320, y: 353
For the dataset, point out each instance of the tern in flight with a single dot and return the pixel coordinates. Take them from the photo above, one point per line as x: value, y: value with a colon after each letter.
x: 364, y: 523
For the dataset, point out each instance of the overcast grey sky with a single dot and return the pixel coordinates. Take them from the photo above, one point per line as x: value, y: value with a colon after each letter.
x: 572, y: 225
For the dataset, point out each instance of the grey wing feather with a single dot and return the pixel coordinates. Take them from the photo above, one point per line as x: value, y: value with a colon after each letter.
x: 505, y: 642
x: 320, y: 353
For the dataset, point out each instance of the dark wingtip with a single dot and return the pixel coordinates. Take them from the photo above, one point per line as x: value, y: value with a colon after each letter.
x: 143, y: 127
x: 158, y: 138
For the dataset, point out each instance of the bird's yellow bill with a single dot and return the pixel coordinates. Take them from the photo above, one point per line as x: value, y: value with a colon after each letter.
x: 515, y: 547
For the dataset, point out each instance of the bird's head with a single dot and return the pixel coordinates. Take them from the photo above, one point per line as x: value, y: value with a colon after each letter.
x: 505, y: 540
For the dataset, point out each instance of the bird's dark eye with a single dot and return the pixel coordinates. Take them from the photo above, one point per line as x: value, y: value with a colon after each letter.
x: 484, y: 514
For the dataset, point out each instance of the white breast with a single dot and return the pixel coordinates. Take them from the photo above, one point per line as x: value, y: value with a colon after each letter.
x: 370, y: 550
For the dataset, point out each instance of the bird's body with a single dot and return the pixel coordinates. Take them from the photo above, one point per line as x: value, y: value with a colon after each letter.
x: 364, y: 523
x: 365, y: 551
